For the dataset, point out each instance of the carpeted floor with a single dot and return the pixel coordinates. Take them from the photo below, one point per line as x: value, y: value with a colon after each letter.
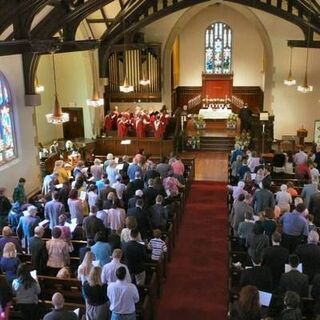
x: 196, y: 286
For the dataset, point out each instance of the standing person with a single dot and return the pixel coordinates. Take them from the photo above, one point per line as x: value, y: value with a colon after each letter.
x: 91, y: 224
x: 27, y: 223
x: 101, y: 249
x: 116, y: 217
x: 291, y: 310
x: 95, y: 294
x: 26, y: 290
x: 49, y: 182
x: 58, y: 252
x: 245, y: 117
x: 5, y: 298
x: 157, y: 245
x: 109, y: 270
x: 53, y: 209
x: 9, y: 262
x: 19, y: 193
x: 5, y: 207
x: 96, y: 170
x: 58, y: 312
x: 248, y: 306
x: 135, y: 256
x: 85, y: 266
x: 123, y: 296
x: 38, y: 251
x: 75, y: 206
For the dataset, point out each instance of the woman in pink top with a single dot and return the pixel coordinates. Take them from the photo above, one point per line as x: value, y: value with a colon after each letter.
x: 116, y: 217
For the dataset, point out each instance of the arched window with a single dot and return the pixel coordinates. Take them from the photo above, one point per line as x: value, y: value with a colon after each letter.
x: 218, y: 48
x: 7, y: 139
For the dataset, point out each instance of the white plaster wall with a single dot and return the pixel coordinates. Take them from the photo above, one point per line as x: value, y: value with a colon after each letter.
x: 26, y: 165
x: 291, y: 108
x: 74, y: 85
x: 247, y: 47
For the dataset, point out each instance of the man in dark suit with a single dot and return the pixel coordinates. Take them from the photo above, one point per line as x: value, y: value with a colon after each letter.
x: 103, y: 193
x: 142, y: 217
x: 159, y: 215
x: 135, y: 257
x: 134, y: 185
x: 38, y: 251
x: 309, y: 255
x: 132, y: 201
x: 258, y: 276
x: 275, y: 258
x: 91, y: 224
x: 150, y: 194
x: 294, y: 280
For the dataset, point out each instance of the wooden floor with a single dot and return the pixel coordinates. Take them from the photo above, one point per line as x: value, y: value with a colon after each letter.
x: 210, y: 166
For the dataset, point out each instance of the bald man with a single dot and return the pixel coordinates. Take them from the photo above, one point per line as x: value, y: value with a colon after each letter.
x: 58, y: 313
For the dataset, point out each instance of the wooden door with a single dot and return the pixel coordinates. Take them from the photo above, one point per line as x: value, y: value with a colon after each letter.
x: 75, y: 127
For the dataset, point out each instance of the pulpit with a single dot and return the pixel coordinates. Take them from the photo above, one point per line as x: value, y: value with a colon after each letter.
x: 302, y: 133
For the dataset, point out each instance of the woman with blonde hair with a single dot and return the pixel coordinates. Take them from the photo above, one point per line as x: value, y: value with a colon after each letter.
x: 95, y: 294
x: 85, y: 267
x: 63, y: 175
x: 9, y: 262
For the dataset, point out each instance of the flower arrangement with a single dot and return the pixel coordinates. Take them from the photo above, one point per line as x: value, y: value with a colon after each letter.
x: 243, y: 140
x: 198, y: 121
x: 193, y: 142
x: 232, y: 121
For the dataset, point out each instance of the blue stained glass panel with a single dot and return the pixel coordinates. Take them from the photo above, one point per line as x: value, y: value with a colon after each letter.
x: 218, y: 49
x: 7, y: 134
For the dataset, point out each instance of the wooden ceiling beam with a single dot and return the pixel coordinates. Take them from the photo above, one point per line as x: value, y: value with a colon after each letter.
x: 304, y: 44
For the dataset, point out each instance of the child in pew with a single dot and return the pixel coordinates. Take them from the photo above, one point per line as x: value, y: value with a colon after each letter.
x: 157, y: 246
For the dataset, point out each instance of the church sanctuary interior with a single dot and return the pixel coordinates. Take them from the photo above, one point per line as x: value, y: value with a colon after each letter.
x: 159, y: 159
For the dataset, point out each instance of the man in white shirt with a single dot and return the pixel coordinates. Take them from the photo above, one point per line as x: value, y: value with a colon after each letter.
x: 108, y: 273
x: 300, y: 157
x: 122, y: 296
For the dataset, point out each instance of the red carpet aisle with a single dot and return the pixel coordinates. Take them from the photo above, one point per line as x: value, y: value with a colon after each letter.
x: 196, y: 288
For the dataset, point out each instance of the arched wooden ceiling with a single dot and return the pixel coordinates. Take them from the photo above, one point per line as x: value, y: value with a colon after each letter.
x: 34, y: 27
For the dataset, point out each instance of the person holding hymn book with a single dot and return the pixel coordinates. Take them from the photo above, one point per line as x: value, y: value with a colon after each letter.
x: 26, y: 290
x: 248, y: 306
x: 58, y: 313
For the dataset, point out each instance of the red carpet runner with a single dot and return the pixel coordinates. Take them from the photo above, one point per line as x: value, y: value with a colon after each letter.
x: 196, y: 287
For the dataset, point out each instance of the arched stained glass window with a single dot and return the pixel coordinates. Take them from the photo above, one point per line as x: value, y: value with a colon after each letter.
x: 7, y: 139
x: 218, y: 50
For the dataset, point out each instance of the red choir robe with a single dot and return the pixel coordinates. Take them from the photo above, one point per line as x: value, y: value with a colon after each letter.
x: 158, y: 128
x: 140, y: 128
x: 107, y: 123
x: 122, y: 127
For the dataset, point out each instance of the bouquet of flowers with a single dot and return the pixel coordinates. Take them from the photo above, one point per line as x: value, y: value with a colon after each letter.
x: 198, y: 121
x: 232, y: 121
x: 243, y: 140
x: 193, y: 142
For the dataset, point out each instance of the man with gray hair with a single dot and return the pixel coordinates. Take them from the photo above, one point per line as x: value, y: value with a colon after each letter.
x: 314, y: 206
x: 58, y: 313
x: 309, y: 255
x: 38, y: 251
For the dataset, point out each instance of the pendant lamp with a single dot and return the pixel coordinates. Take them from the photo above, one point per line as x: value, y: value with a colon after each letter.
x: 57, y: 116
x: 290, y: 81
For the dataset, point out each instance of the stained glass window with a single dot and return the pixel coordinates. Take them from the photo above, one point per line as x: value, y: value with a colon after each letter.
x: 218, y: 41
x: 7, y: 140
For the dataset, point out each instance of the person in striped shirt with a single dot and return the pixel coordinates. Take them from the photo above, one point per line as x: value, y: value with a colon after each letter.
x: 157, y: 246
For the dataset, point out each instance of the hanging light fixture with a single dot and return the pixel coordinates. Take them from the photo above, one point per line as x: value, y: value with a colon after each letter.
x: 305, y: 87
x: 290, y: 81
x: 145, y: 81
x: 38, y: 87
x: 126, y: 87
x: 57, y: 116
x: 95, y: 100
